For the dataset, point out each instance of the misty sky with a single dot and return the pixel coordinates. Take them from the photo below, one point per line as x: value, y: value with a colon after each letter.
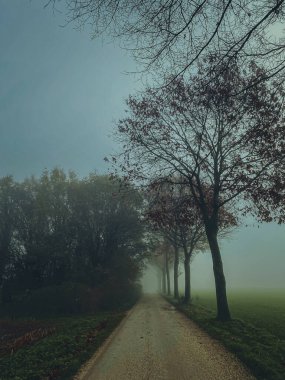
x: 253, y: 257
x: 60, y: 93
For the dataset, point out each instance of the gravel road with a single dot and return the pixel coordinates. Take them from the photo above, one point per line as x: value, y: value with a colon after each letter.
x: 157, y: 342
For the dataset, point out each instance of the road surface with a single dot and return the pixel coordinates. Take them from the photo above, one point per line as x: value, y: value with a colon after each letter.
x: 156, y: 342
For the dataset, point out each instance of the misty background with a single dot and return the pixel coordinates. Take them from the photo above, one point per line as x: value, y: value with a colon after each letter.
x: 60, y: 95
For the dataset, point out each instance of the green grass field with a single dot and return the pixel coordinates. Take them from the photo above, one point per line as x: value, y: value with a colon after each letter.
x: 265, y: 309
x: 257, y: 332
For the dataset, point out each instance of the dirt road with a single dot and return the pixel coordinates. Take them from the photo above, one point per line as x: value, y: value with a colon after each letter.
x: 156, y: 342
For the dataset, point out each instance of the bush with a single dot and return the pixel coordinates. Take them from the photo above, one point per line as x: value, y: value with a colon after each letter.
x: 67, y: 298
x: 71, y: 298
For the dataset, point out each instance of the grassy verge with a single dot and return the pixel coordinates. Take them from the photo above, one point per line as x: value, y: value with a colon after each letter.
x: 72, y: 341
x: 262, y: 351
x: 265, y: 309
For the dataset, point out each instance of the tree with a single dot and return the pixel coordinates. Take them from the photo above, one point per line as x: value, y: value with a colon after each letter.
x: 7, y: 223
x: 43, y: 229
x: 222, y: 146
x: 157, y: 215
x: 176, y: 34
x: 106, y: 230
x: 160, y: 258
x: 172, y: 211
x: 166, y: 252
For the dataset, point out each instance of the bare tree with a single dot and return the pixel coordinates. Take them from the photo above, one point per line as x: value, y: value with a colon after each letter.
x: 175, y: 34
x: 222, y: 146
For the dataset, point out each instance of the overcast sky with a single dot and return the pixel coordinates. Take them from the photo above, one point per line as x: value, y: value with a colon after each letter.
x: 60, y: 93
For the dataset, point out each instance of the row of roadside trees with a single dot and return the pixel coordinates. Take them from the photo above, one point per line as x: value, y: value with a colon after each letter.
x: 222, y: 142
x: 173, y: 215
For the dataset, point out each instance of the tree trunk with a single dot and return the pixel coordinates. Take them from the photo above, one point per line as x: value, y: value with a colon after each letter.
x: 187, y: 294
x: 167, y: 273
x: 175, y: 274
x: 159, y: 281
x: 223, y: 312
x: 163, y: 280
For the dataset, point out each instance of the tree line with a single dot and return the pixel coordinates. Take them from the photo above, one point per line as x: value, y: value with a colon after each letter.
x: 60, y: 229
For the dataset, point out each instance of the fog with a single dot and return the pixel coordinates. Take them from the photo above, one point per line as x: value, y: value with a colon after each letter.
x: 253, y: 258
